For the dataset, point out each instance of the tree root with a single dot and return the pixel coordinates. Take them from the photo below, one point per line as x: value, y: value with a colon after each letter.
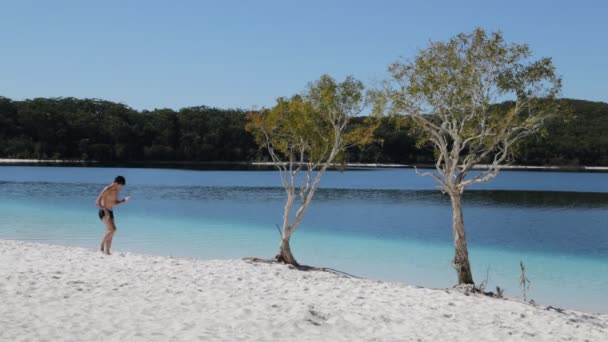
x: 468, y: 289
x: 304, y: 268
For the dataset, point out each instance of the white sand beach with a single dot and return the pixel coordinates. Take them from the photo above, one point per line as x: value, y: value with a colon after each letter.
x: 55, y: 293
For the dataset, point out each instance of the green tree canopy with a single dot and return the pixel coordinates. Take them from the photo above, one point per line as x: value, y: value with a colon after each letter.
x: 308, y: 133
x: 452, y: 90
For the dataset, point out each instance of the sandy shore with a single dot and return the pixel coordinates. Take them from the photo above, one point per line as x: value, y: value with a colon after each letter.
x: 57, y: 293
x: 476, y: 167
x: 40, y: 161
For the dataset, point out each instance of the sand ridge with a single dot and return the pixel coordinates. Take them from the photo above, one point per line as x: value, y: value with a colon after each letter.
x: 57, y: 293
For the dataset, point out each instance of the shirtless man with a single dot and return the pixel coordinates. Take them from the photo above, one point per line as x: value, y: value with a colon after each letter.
x: 108, y: 199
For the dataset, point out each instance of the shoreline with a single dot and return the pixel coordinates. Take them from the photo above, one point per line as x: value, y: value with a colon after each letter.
x: 71, y: 293
x: 219, y: 164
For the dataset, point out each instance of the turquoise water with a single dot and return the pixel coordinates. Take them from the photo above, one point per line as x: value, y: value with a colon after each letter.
x: 382, y: 224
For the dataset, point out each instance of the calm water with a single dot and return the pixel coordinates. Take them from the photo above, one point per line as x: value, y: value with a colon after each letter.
x: 384, y: 224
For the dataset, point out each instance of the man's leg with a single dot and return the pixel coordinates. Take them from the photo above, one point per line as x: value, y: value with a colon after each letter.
x: 103, y: 239
x: 105, y: 235
x: 111, y: 229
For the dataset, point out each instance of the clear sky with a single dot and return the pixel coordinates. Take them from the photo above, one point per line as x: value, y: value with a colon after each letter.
x: 155, y: 54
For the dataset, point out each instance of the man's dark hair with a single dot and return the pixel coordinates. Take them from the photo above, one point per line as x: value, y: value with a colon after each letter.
x: 120, y: 180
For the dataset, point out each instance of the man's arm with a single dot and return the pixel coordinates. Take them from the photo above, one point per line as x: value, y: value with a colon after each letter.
x: 98, y: 200
x: 122, y: 200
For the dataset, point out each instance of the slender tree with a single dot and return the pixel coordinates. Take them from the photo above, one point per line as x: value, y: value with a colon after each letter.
x: 451, y: 90
x: 304, y: 136
x: 524, y: 282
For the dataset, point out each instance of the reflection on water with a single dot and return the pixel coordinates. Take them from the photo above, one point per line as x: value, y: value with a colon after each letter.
x: 384, y: 179
x: 502, y: 198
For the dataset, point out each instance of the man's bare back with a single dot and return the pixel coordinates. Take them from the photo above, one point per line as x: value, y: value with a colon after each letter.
x: 109, y: 197
x: 106, y: 201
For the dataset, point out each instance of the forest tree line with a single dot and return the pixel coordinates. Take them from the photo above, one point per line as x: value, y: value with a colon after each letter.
x: 97, y: 130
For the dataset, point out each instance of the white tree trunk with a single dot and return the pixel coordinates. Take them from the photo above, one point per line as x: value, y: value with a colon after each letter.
x: 461, y: 255
x: 285, y: 255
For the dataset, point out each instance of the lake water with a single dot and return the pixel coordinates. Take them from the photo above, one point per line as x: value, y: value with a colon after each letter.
x: 387, y: 224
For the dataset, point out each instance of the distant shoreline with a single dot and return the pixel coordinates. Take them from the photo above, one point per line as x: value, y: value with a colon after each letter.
x: 43, y: 161
x: 72, y: 162
x: 477, y: 167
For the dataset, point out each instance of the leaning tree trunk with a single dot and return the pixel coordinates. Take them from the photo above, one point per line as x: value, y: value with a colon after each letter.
x: 285, y: 255
x: 461, y: 256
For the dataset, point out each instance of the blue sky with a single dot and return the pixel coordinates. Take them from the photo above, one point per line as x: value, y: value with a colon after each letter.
x: 156, y: 54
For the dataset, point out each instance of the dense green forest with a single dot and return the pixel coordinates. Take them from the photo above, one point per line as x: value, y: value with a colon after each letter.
x: 90, y: 129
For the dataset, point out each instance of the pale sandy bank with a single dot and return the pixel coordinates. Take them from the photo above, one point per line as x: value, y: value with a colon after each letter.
x: 56, y: 293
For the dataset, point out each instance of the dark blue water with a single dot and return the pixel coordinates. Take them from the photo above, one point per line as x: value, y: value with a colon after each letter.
x: 385, y: 224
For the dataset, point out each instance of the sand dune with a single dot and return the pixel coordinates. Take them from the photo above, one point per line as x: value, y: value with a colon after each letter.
x: 57, y: 293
